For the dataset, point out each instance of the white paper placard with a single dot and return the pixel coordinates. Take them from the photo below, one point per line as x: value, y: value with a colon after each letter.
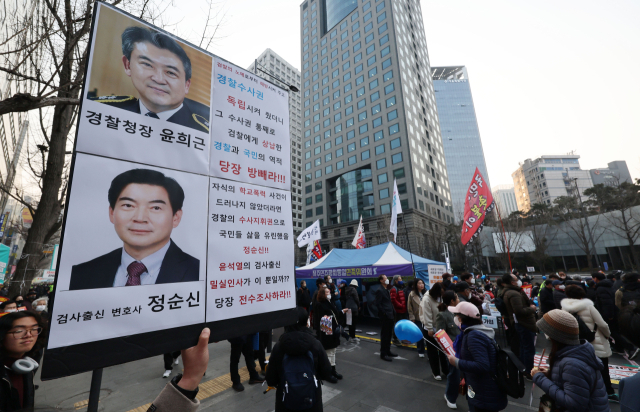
x: 249, y: 129
x: 435, y: 273
x: 251, y: 255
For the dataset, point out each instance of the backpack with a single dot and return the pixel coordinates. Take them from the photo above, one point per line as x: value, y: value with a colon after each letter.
x: 501, y: 306
x: 585, y: 333
x: 298, y: 382
x: 509, y: 373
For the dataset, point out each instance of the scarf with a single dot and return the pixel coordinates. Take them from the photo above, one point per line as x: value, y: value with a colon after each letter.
x: 457, y: 344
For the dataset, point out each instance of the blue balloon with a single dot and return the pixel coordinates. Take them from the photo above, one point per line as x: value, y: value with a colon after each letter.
x: 455, y: 278
x: 483, y: 276
x: 544, y: 278
x: 407, y: 330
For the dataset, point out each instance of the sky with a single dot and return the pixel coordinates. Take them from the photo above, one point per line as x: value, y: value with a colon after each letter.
x: 547, y: 77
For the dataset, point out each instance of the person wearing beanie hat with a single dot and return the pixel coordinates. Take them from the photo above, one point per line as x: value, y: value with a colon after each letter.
x: 573, y: 380
x: 476, y: 357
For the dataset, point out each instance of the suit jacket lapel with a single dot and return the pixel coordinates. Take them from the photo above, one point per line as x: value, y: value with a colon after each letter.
x: 113, y: 261
x: 171, y: 270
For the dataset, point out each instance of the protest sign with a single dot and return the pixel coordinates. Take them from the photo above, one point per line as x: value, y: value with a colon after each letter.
x: 435, y: 274
x: 177, y: 216
x: 527, y: 290
x: 490, y: 321
x: 445, y: 342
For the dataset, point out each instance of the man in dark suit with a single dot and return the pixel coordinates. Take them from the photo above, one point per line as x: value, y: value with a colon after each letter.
x: 160, y: 70
x: 144, y: 207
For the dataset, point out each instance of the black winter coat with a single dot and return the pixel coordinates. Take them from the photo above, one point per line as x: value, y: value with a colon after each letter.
x: 303, y: 298
x: 9, y: 398
x: 605, y: 299
x: 327, y: 308
x: 546, y: 300
x: 383, y: 303
x: 557, y: 298
x: 297, y: 343
x: 352, y: 301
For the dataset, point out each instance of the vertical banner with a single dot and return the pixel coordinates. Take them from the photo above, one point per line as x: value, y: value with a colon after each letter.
x: 477, y: 204
x: 179, y: 208
x: 445, y: 342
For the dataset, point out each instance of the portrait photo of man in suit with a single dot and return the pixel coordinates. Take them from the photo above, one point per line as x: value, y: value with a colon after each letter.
x: 160, y: 72
x: 144, y: 208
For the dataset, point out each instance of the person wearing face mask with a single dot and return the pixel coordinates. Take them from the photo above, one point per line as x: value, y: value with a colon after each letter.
x: 335, y: 292
x: 9, y: 306
x: 40, y: 306
x: 330, y: 340
x: 23, y: 303
x: 399, y: 301
x: 522, y: 317
x: 466, y: 295
x: 476, y: 358
x: 385, y: 313
x: 21, y: 338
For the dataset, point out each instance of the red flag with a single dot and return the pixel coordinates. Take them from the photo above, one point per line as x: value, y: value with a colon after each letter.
x: 478, y: 203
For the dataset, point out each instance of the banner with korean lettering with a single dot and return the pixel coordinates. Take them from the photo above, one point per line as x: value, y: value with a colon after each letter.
x: 252, y: 226
x: 141, y: 243
x: 249, y: 128
x: 478, y: 202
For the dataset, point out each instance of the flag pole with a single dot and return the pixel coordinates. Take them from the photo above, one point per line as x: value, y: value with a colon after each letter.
x: 409, y: 243
x: 505, y: 239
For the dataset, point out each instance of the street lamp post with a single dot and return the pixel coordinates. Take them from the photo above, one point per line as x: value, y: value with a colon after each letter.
x: 290, y: 86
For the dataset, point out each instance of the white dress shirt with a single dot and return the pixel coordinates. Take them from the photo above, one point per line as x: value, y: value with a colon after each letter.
x: 162, y: 115
x: 152, y: 262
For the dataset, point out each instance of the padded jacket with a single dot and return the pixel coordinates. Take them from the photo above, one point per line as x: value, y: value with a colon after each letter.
x: 428, y: 312
x: 576, y: 383
x: 477, y: 362
x: 398, y: 299
x: 591, y: 317
x: 518, y: 304
x: 605, y: 299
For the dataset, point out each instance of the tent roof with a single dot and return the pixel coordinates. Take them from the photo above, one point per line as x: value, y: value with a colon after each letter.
x: 385, y: 254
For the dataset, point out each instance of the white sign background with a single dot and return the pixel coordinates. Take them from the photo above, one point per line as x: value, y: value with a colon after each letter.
x: 237, y: 112
x: 89, y: 234
x: 242, y: 205
x: 435, y: 273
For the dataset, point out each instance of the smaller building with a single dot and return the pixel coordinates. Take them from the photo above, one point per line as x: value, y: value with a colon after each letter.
x: 505, y: 198
x: 549, y: 177
x: 616, y: 173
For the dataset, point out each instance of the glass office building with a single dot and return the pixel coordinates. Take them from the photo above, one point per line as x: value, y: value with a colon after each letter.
x: 460, y: 133
x: 369, y: 115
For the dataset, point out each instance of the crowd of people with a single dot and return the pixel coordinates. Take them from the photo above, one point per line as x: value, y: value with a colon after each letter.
x: 584, y: 320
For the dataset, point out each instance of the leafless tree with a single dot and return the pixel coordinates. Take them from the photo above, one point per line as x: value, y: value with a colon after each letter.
x: 44, y: 45
x: 584, y: 234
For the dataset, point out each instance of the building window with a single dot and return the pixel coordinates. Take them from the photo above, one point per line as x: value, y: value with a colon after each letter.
x: 396, y: 158
x: 402, y: 188
x: 309, y: 201
x: 381, y: 164
x: 393, y: 129
x: 392, y: 115
x: 384, y: 193
x: 319, y: 210
x: 399, y: 173
x: 389, y: 88
x: 391, y: 101
x: 384, y: 209
x: 380, y: 149
x: 318, y: 186
x: 395, y: 143
x: 365, y: 155
x: 351, y: 147
x: 364, y: 128
x: 375, y: 96
x: 309, y: 213
x: 378, y: 135
x: 340, y: 165
x: 382, y: 178
x: 318, y: 173
x: 364, y: 141
x: 352, y: 160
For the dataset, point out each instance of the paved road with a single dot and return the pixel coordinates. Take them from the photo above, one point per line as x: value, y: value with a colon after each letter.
x: 369, y: 384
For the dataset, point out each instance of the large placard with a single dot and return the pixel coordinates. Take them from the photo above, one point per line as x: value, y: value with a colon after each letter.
x: 174, y: 147
x: 250, y: 223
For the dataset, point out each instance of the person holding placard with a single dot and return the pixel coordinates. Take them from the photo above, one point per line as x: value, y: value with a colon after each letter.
x: 144, y: 207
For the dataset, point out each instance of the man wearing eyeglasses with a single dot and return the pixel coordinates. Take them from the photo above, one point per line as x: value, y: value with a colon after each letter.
x: 19, y: 344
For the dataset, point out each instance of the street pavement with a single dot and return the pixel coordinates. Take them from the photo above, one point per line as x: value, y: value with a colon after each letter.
x: 369, y: 384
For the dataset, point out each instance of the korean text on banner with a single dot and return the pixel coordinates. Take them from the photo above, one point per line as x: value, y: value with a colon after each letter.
x: 252, y: 225
x: 490, y: 321
x: 309, y: 234
x: 478, y: 202
x: 250, y: 129
x: 527, y: 290
x: 435, y: 274
x: 445, y: 342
